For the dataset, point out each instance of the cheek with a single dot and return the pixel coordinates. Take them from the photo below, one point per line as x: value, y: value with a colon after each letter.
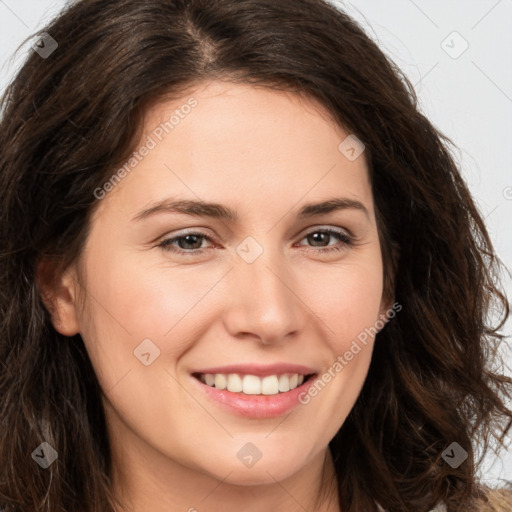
x: 128, y: 304
x: 349, y: 306
x: 348, y: 301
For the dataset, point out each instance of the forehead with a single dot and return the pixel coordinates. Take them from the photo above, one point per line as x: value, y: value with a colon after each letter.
x: 222, y: 138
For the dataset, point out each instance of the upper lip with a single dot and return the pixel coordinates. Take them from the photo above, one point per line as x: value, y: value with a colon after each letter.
x: 259, y: 370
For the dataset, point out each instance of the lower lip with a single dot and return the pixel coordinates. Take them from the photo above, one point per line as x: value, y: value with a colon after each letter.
x: 256, y: 406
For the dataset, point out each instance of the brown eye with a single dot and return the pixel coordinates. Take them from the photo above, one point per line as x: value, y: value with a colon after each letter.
x: 321, y: 237
x: 189, y: 243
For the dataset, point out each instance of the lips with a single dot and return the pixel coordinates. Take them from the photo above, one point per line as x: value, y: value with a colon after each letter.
x: 255, y: 391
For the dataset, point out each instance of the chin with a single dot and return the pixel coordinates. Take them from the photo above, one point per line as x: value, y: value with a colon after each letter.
x: 265, y: 471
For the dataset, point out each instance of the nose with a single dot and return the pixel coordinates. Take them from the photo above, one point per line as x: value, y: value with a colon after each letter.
x: 265, y: 300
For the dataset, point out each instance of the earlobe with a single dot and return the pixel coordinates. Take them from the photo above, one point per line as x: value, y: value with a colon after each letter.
x: 59, y: 294
x: 387, y: 310
x: 386, y: 307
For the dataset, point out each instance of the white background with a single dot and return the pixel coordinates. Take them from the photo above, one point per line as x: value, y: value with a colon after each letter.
x: 469, y: 98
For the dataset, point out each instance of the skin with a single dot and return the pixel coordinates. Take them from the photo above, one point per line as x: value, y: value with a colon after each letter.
x: 265, y: 154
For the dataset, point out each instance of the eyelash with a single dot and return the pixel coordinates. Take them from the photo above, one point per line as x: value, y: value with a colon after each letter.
x: 347, y: 241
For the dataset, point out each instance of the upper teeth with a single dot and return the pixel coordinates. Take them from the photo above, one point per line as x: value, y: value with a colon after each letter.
x: 252, y: 384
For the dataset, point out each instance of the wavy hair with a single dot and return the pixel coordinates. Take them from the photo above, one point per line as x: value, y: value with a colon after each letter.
x: 68, y: 119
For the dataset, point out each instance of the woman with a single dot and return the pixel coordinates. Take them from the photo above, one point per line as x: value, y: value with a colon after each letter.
x: 240, y: 270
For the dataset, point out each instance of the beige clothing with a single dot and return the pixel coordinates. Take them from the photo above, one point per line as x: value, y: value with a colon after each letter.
x: 439, y: 508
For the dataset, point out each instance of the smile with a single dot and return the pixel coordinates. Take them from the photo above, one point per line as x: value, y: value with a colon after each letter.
x: 252, y: 396
x: 252, y: 384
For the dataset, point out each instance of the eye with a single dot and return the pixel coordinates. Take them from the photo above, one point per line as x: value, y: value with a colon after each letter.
x: 320, y: 236
x: 184, y: 242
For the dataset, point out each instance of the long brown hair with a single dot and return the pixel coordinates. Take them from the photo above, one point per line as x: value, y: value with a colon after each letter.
x: 71, y: 117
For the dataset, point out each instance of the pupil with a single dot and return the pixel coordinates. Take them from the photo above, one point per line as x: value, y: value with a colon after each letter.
x: 317, y: 237
x: 186, y: 240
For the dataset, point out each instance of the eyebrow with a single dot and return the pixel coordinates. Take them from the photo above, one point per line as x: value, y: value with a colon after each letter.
x: 200, y: 208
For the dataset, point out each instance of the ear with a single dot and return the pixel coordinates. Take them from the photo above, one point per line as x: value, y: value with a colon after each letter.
x: 386, y: 305
x: 59, y: 294
x: 388, y: 309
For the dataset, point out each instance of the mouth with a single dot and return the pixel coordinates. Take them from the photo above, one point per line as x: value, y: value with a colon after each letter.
x: 253, y: 396
x: 253, y: 384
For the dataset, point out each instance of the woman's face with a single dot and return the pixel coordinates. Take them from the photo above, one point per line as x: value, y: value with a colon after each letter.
x: 268, y: 293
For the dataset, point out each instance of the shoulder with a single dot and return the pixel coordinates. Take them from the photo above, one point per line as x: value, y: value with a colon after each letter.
x: 493, y: 500
x: 498, y: 500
